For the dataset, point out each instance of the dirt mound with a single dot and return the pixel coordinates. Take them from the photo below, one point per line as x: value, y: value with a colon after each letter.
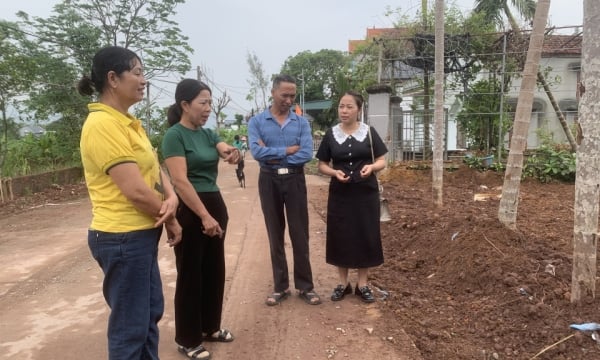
x: 464, y: 286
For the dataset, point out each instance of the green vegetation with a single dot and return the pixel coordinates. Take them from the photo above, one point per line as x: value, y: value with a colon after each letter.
x: 550, y: 162
x: 41, y: 59
x: 38, y: 154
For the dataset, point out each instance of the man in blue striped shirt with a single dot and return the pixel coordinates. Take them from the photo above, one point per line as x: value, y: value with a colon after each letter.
x: 281, y: 141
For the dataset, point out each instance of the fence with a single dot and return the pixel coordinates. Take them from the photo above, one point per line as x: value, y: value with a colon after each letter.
x: 409, y: 140
x: 11, y: 188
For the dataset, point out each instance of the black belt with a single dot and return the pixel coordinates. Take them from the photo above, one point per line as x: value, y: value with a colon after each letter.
x: 283, y: 171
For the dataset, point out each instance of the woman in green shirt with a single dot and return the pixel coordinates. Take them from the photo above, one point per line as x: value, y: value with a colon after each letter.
x: 192, y: 156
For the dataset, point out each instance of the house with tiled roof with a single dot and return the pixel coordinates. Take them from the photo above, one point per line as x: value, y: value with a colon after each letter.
x: 561, y: 62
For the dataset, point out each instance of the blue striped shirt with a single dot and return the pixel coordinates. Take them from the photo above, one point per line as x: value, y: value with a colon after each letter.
x: 276, y: 138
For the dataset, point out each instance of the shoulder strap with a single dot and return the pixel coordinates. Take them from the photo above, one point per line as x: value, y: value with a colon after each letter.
x: 371, y: 143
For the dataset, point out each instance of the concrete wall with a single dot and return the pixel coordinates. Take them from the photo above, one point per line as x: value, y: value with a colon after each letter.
x: 11, y: 188
x: 378, y: 113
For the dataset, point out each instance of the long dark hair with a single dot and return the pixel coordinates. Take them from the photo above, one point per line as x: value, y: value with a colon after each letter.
x: 186, y: 90
x: 107, y: 59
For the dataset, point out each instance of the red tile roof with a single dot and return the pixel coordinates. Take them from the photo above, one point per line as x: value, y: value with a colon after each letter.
x: 554, y: 45
x: 373, y: 33
x: 562, y: 45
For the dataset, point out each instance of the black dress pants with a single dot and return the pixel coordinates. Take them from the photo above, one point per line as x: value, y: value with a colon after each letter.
x: 284, y: 196
x: 200, y: 262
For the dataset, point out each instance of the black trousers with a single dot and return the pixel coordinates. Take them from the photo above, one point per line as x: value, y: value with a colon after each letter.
x: 200, y: 262
x: 279, y: 193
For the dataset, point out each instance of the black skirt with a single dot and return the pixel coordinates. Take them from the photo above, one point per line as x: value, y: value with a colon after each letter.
x: 353, y: 228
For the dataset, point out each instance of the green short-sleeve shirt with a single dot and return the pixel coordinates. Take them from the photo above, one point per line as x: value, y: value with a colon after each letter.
x: 200, y: 152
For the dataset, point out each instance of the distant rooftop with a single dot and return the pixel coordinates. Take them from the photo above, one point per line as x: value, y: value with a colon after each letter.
x: 554, y: 45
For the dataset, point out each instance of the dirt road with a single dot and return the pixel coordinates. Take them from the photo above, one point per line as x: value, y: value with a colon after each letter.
x: 51, y: 304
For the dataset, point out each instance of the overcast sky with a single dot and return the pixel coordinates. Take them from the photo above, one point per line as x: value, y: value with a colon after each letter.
x: 223, y: 32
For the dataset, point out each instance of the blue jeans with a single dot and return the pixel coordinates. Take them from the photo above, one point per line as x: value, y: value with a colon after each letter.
x: 132, y: 289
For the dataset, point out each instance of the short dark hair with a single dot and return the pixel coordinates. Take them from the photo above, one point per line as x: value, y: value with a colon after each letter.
x: 186, y: 90
x: 107, y: 59
x: 278, y: 79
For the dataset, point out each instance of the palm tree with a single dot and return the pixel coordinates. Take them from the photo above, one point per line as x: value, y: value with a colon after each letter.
x: 493, y: 10
x: 507, y: 212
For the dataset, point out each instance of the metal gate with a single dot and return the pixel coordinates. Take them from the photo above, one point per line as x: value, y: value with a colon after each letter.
x: 409, y: 142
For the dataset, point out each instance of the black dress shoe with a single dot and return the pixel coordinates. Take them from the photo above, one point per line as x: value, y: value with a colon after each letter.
x: 339, y: 292
x: 365, y: 293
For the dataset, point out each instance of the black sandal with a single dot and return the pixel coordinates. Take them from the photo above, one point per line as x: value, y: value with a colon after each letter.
x: 365, y: 293
x: 277, y: 297
x: 310, y: 297
x: 222, y: 335
x: 340, y: 291
x: 198, y: 352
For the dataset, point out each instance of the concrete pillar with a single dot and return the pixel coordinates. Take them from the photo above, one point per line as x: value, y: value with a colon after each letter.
x: 378, y: 113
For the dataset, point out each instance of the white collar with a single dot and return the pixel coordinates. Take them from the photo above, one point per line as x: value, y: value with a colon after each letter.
x: 360, y: 134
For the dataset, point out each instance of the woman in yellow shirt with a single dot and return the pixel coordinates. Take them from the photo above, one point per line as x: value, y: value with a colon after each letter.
x: 131, y: 200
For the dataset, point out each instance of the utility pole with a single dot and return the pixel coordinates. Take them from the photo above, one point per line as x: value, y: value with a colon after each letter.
x: 199, y: 73
x: 148, y: 130
x: 500, y: 145
x: 302, y: 97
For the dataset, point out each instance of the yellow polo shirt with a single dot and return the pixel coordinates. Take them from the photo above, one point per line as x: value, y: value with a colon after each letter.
x: 109, y: 138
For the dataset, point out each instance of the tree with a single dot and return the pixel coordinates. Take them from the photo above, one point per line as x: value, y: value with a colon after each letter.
x: 65, y: 43
x: 16, y: 77
x: 318, y: 71
x: 259, y: 83
x: 328, y: 117
x: 507, y: 212
x: 218, y: 106
x: 438, y: 151
x: 317, y: 74
x: 407, y: 55
x: 493, y: 10
x: 239, y: 118
x: 479, y: 118
x: 587, y: 191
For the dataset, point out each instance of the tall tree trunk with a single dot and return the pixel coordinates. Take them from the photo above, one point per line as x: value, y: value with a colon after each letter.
x: 507, y: 212
x: 559, y: 115
x: 587, y: 182
x: 542, y: 80
x: 438, y: 142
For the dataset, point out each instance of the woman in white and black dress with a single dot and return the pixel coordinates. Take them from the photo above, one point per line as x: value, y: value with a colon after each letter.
x: 352, y: 156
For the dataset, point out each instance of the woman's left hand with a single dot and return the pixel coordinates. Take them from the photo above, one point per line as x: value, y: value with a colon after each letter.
x: 167, y: 210
x: 173, y: 232
x: 232, y: 155
x: 366, y: 171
